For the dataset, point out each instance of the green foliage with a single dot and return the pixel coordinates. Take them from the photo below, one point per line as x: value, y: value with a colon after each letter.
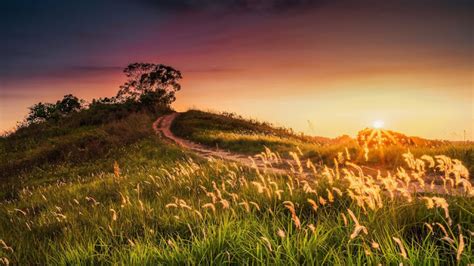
x: 150, y: 84
x: 41, y: 112
x: 68, y: 104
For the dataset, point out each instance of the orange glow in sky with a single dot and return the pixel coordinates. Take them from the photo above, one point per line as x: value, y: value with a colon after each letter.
x: 329, y: 70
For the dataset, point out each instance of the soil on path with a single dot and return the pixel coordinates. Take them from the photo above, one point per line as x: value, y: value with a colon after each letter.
x: 163, y: 126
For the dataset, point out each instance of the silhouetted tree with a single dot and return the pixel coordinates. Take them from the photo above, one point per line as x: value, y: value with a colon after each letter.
x: 68, y: 104
x: 105, y: 100
x: 150, y: 84
x: 41, y: 112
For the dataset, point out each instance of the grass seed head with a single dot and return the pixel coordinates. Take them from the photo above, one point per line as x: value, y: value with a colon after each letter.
x: 460, y: 247
x: 281, y: 233
x: 403, y: 253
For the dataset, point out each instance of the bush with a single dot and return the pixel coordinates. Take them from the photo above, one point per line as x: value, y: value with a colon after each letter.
x: 41, y: 112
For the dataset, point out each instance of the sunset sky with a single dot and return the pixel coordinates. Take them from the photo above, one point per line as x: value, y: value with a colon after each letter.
x: 322, y: 67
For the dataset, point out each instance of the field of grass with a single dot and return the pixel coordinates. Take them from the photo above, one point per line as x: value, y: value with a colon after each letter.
x: 142, y: 200
x: 81, y: 137
x: 236, y: 134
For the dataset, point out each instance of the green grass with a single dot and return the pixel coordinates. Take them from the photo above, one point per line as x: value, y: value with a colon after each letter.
x: 250, y: 137
x: 59, y: 211
x: 156, y: 234
x: 82, y: 137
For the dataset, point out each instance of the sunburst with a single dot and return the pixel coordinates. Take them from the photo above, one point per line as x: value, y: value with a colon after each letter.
x: 379, y: 136
x: 378, y: 124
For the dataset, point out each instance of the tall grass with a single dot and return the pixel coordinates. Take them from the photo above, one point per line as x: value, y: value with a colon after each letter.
x: 146, y: 201
x: 157, y: 205
x: 251, y: 137
x: 83, y: 136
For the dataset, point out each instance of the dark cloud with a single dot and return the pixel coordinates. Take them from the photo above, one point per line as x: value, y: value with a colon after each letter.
x: 279, y: 6
x: 233, y: 6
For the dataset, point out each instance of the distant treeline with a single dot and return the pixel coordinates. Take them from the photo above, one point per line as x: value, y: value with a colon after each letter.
x: 148, y: 86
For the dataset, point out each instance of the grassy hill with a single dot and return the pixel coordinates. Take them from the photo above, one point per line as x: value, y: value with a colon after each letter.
x: 99, y: 187
x: 231, y: 132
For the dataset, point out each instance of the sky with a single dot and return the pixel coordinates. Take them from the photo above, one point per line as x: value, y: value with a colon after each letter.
x: 320, y: 67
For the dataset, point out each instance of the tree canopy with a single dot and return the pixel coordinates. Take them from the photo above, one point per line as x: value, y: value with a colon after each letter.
x: 46, y: 111
x: 150, y: 84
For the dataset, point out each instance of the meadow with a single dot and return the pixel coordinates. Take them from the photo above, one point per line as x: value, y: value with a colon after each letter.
x: 113, y: 192
x: 227, y: 131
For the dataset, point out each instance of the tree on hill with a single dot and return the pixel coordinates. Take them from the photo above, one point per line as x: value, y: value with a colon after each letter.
x: 41, y: 112
x: 150, y: 84
x: 68, y: 104
x: 100, y: 102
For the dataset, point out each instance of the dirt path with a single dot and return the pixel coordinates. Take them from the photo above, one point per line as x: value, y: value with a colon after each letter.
x: 162, y: 126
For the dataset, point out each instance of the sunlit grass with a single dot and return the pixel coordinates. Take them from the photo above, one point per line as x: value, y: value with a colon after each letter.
x: 215, y: 212
x: 227, y: 133
x: 149, y: 202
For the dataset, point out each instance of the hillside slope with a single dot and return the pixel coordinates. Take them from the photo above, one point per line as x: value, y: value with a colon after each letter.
x: 101, y: 188
x: 229, y: 132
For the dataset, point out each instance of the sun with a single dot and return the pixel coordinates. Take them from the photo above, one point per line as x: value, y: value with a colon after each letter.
x: 378, y: 124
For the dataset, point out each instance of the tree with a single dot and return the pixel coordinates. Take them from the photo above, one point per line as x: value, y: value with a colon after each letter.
x: 105, y: 100
x: 41, y: 112
x: 150, y: 84
x: 68, y: 104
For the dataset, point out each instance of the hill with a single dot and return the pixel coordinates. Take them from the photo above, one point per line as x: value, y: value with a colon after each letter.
x: 233, y: 133
x: 100, y: 187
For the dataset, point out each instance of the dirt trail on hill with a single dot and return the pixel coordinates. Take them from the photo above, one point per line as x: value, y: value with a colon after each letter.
x: 162, y: 126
